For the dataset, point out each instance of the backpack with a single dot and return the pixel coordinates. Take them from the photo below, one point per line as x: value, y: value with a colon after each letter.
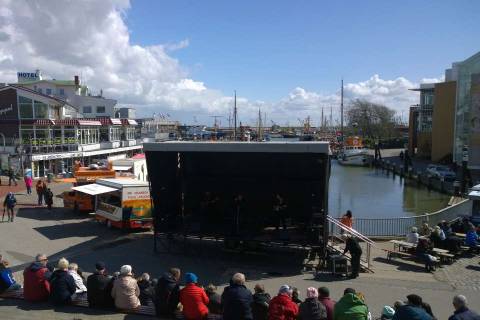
x: 11, y: 201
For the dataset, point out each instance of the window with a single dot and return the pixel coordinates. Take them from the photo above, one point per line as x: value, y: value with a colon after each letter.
x: 114, y: 134
x: 41, y: 110
x: 40, y: 90
x: 48, y: 91
x: 100, y: 109
x: 87, y: 109
x: 26, y: 108
x: 61, y: 92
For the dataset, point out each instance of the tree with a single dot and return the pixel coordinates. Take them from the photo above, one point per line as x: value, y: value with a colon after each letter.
x: 371, y: 120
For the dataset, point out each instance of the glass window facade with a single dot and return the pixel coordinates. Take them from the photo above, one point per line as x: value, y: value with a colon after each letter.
x: 115, y: 133
x: 26, y: 107
x: 41, y: 110
x: 100, y: 109
x: 88, y: 135
x: 467, y: 130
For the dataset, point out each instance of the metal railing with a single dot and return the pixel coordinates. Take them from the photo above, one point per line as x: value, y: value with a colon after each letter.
x: 337, y: 229
x: 400, y: 226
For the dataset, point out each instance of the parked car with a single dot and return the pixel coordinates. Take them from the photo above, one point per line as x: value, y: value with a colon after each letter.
x: 441, y: 172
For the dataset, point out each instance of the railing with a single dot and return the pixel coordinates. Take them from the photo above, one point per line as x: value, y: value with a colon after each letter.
x: 400, y: 226
x: 337, y: 229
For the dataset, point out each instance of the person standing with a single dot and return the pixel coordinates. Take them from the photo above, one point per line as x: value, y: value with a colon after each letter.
x: 461, y: 311
x: 28, y: 183
x: 9, y: 205
x: 49, y: 199
x: 355, y: 250
x: 39, y: 187
x: 11, y: 177
x: 347, y: 219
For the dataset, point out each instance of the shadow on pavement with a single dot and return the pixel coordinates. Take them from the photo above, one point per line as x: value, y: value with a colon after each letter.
x: 43, y: 214
x: 86, y: 228
x: 401, y: 265
x: 472, y: 267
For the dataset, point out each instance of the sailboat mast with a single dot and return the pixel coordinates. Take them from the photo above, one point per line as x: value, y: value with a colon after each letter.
x: 341, y: 112
x: 235, y: 116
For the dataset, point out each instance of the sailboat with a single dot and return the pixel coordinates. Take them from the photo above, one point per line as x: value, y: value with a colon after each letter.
x: 352, y: 152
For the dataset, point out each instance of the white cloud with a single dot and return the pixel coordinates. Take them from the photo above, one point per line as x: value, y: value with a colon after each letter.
x: 90, y: 38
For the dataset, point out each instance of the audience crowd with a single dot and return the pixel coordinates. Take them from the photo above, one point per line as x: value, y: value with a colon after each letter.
x: 191, y: 301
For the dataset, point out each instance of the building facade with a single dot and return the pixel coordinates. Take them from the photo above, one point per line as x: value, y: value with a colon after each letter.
x: 46, y: 134
x: 443, y: 121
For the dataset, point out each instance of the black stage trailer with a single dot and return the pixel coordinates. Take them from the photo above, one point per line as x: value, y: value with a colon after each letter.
x: 242, y: 192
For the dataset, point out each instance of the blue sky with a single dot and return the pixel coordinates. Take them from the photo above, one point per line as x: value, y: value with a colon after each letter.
x: 266, y: 48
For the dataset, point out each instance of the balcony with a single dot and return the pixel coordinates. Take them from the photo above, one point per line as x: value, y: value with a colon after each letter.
x: 129, y: 143
x: 110, y: 145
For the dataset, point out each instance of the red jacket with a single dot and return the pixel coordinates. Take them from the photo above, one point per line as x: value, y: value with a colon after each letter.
x: 282, y: 307
x: 194, y: 301
x: 35, y: 286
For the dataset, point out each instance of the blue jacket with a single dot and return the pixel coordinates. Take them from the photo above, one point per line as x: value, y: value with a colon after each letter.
x: 471, y: 238
x: 6, y: 279
x: 410, y: 312
x: 237, y: 301
x: 464, y: 314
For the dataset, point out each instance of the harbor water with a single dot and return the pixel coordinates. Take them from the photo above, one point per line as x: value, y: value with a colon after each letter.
x: 370, y: 193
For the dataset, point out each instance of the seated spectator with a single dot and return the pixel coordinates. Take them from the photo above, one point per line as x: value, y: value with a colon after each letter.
x: 398, y: 304
x: 296, y: 296
x: 412, y: 310
x: 424, y: 251
x: 237, y: 299
x: 167, y: 293
x: 387, y: 313
x: 457, y: 226
x: 261, y: 299
x: 446, y: 228
x: 125, y: 291
x: 215, y: 304
x: 281, y: 306
x: 461, y: 311
x: 79, y: 285
x: 98, y: 284
x: 311, y: 308
x: 146, y: 289
x: 324, y: 298
x: 7, y: 281
x: 471, y: 239
x: 425, y: 230
x: 428, y: 309
x: 193, y: 299
x: 412, y: 237
x: 62, y: 284
x: 35, y: 280
x: 438, y: 237
x: 350, y: 307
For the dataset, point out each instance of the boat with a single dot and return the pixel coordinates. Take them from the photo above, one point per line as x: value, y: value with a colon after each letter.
x: 353, y: 153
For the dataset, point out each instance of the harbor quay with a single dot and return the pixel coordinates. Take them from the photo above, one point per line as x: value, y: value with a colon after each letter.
x: 62, y: 233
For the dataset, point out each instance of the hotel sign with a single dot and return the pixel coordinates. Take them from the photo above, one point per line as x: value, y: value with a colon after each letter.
x: 28, y: 76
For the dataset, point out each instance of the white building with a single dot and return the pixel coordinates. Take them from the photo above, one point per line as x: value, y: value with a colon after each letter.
x: 77, y: 95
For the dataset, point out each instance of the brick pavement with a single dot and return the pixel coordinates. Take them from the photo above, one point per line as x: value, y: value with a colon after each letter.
x: 463, y: 274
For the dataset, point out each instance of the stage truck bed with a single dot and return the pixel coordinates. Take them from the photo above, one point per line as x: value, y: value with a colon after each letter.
x: 250, y: 191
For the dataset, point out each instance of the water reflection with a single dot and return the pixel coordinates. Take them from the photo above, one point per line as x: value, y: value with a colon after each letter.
x: 372, y: 194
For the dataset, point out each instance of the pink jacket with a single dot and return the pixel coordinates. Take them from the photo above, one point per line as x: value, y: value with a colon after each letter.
x: 28, y: 181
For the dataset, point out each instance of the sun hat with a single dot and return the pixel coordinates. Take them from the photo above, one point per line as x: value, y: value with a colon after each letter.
x: 388, y: 312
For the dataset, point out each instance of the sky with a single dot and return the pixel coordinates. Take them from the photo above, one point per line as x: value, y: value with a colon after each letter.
x: 286, y: 58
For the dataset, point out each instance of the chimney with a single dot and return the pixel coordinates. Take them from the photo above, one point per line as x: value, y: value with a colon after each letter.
x: 77, y: 81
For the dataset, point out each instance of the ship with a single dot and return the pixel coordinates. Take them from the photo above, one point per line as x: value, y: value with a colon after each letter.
x: 353, y: 153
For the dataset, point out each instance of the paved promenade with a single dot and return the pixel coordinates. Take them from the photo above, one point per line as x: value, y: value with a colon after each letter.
x: 61, y: 233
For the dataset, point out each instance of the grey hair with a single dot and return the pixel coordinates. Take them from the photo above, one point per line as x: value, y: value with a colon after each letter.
x: 39, y: 257
x: 460, y: 300
x: 238, y: 278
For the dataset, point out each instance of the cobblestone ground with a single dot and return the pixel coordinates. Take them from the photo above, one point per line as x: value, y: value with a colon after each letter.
x: 463, y: 274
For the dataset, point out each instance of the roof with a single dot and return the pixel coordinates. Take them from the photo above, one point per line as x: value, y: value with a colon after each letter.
x: 94, y: 189
x: 77, y: 122
x: 118, y: 183
x: 56, y: 82
x: 269, y: 147
x: 19, y: 87
x: 139, y: 156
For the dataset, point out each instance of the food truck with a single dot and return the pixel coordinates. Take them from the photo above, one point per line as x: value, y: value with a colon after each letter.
x: 121, y: 203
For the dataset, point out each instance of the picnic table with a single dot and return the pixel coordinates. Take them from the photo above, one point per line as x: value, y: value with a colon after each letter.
x: 399, y: 244
x: 460, y: 235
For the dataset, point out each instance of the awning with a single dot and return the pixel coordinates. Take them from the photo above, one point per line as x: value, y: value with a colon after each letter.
x: 474, y: 195
x: 106, y: 121
x: 77, y: 122
x: 89, y: 123
x: 94, y: 189
x: 121, y: 168
x: 129, y: 122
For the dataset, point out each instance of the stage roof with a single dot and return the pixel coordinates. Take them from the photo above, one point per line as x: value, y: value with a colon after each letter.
x: 267, y: 147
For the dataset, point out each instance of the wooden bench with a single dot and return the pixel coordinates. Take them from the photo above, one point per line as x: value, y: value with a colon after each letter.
x: 82, y: 302
x: 446, y: 257
x: 391, y: 254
